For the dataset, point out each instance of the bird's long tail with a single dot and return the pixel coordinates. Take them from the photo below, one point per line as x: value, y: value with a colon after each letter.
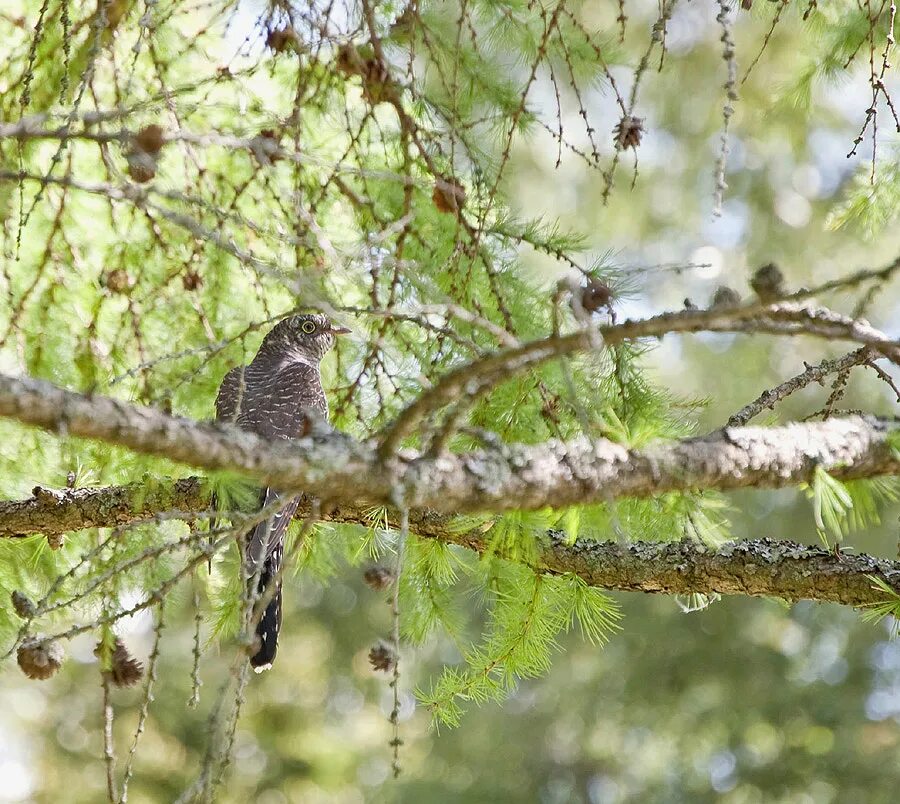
x: 270, y: 623
x: 266, y: 543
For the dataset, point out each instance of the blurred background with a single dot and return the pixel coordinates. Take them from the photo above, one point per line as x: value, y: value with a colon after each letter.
x: 745, y: 701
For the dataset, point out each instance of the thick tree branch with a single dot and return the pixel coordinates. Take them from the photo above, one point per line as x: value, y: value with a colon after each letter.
x: 55, y: 512
x: 761, y: 567
x: 335, y: 467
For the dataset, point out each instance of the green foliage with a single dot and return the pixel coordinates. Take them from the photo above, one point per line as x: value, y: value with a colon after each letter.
x: 570, y: 523
x: 514, y: 536
x: 703, y: 517
x: 529, y: 612
x: 225, y: 594
x: 839, y: 508
x: 893, y: 440
x: 232, y: 492
x: 870, y: 206
x: 105, y: 647
x: 27, y: 566
x: 889, y: 607
x: 671, y: 517
x: 327, y: 548
x: 696, y: 601
x: 831, y: 504
x: 431, y: 570
x: 869, y: 497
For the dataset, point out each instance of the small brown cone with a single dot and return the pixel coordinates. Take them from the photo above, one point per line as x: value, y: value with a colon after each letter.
x: 768, y: 283
x: 348, y: 60
x: 23, y: 605
x: 118, y: 280
x: 595, y: 295
x: 39, y: 660
x: 449, y: 196
x: 725, y: 297
x: 628, y: 132
x: 379, y: 577
x: 282, y: 39
x: 124, y: 670
x: 376, y: 82
x: 150, y: 139
x: 192, y: 280
x: 382, y: 657
x: 266, y: 146
x: 141, y: 166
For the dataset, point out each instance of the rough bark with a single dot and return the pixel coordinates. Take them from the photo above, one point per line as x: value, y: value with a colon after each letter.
x: 335, y: 467
x: 54, y: 512
x: 760, y: 567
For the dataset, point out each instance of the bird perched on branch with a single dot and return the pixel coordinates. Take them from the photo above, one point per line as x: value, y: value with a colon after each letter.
x: 276, y: 396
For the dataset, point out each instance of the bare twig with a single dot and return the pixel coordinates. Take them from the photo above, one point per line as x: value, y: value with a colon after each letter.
x: 782, y: 319
x: 768, y: 399
x: 728, y: 55
x: 145, y: 701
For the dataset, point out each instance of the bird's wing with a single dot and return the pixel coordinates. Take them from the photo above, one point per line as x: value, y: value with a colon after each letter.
x: 261, y: 544
x: 229, y: 393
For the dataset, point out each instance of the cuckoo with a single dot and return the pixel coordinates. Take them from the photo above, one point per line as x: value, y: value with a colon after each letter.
x: 275, y: 396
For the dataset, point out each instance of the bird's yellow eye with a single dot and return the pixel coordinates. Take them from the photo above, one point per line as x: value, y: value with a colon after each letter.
x: 308, y: 327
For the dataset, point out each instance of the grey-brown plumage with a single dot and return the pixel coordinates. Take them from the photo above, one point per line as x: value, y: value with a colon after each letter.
x: 274, y: 397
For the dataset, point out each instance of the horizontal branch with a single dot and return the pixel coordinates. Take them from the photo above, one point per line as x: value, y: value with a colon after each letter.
x: 54, y: 512
x: 336, y: 468
x: 758, y: 567
x: 264, y: 148
x: 761, y: 567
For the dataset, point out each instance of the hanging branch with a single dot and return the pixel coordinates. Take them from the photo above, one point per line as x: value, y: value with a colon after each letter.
x: 396, y: 742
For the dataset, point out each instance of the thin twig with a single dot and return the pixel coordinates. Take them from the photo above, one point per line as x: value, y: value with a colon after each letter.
x: 768, y: 399
x: 152, y: 664
x: 109, y: 753
x: 396, y: 742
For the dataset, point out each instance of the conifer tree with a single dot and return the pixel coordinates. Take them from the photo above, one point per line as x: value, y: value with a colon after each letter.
x: 543, y: 402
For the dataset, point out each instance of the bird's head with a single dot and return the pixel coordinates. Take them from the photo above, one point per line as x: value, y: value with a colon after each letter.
x: 308, y: 337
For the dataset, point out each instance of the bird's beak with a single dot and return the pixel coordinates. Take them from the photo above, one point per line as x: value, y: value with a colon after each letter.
x: 340, y: 331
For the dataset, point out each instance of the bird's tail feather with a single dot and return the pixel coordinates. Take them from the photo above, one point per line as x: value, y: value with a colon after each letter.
x: 270, y: 623
x: 266, y: 543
